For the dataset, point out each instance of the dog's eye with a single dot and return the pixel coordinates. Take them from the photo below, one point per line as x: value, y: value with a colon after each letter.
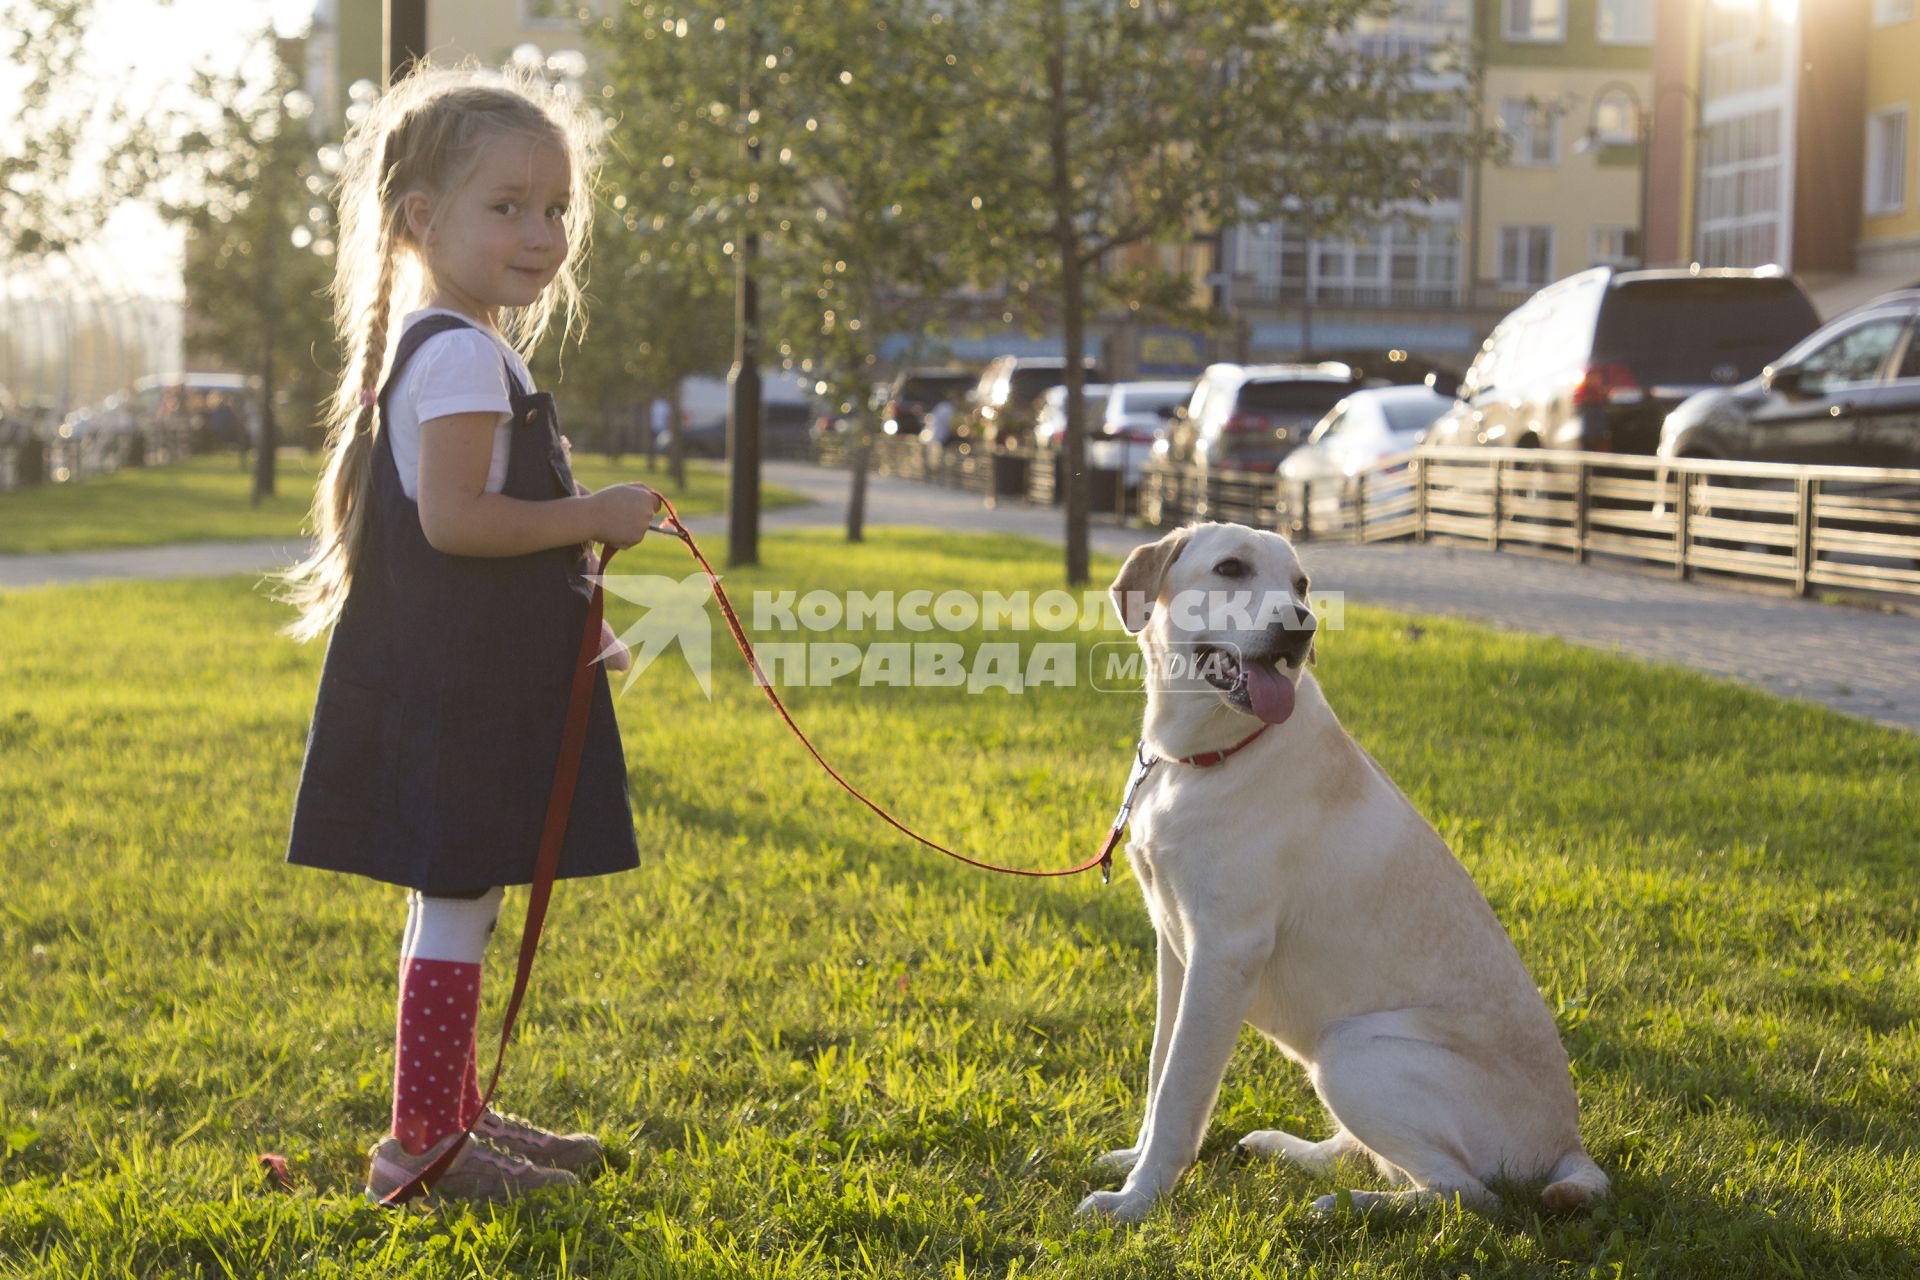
x: 1231, y: 568
x: 1300, y: 586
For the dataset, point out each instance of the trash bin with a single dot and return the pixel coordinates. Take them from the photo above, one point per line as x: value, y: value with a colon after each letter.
x: 1103, y: 484
x: 30, y: 465
x: 1009, y: 475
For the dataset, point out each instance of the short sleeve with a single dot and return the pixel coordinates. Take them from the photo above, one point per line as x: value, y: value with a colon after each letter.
x: 460, y: 371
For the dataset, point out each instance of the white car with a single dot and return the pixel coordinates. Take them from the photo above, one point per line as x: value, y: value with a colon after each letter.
x: 1364, y: 428
x: 1137, y: 415
x: 1049, y: 428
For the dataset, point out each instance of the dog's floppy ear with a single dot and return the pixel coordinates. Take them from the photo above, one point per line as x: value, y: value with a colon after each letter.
x: 1138, y: 583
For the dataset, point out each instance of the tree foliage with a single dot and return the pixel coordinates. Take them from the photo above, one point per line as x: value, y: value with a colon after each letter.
x: 247, y: 184
x: 884, y: 152
x: 1088, y: 126
x: 63, y: 127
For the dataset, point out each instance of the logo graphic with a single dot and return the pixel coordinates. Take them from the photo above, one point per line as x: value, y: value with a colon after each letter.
x: 1037, y: 650
x: 676, y: 609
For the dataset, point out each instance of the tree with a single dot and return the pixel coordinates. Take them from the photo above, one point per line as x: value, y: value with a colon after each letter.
x: 1090, y: 125
x: 811, y: 129
x: 247, y: 184
x: 55, y: 130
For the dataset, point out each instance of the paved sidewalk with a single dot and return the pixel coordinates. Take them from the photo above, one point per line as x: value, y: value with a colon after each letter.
x: 1863, y: 663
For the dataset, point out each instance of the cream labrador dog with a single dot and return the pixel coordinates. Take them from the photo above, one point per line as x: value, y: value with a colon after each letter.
x: 1294, y: 887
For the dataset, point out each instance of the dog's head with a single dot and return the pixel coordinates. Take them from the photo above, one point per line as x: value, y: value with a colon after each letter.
x: 1221, y: 608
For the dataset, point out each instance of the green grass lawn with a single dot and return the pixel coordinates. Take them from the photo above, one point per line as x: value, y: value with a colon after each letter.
x: 820, y: 1051
x: 206, y: 499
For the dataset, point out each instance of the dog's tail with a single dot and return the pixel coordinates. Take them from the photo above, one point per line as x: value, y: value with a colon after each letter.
x: 1574, y: 1183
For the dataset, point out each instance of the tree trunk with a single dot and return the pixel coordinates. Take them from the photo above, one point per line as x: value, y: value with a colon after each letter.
x: 857, y: 491
x: 1073, y: 441
x: 269, y: 442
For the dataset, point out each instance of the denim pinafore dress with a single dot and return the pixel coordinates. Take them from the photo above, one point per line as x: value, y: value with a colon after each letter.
x: 444, y: 694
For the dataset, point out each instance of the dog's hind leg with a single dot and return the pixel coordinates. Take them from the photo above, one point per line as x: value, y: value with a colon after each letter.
x: 1468, y: 1190
x: 1314, y: 1157
x: 1406, y: 1101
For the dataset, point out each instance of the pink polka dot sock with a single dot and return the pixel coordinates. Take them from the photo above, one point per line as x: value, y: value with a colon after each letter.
x: 433, y: 1060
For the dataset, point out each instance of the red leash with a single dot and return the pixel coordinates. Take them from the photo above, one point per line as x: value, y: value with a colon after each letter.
x: 1103, y: 859
x: 560, y: 801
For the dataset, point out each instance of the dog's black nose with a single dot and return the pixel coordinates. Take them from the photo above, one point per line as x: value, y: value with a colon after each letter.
x: 1292, y: 637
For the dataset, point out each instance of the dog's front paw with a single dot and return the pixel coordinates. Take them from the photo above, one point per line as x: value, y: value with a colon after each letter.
x: 1121, y: 1161
x: 1121, y: 1206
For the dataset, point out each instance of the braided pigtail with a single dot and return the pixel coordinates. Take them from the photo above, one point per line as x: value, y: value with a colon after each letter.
x: 366, y: 280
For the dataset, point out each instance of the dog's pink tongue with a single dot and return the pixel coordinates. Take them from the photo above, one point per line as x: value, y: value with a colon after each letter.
x: 1272, y: 693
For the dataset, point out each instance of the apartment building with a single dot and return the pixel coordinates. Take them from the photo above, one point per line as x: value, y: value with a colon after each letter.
x: 1888, y: 250
x: 1567, y: 82
x: 1566, y: 85
x: 346, y: 41
x: 1784, y: 140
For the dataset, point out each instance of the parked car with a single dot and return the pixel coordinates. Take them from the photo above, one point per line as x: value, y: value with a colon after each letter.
x: 1371, y: 424
x: 787, y: 415
x: 1050, y: 424
x: 1005, y: 399
x: 1138, y: 414
x: 1597, y: 360
x: 917, y: 392
x: 109, y: 417
x: 1250, y: 417
x: 786, y: 430
x: 191, y: 400
x: 1847, y: 396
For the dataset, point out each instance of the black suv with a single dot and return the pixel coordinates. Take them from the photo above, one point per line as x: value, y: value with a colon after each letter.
x: 1847, y: 396
x: 1598, y: 360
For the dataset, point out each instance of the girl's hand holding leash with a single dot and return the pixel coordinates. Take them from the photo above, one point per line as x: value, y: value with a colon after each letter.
x: 622, y: 513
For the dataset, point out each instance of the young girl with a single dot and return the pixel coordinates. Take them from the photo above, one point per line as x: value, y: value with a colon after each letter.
x: 450, y: 567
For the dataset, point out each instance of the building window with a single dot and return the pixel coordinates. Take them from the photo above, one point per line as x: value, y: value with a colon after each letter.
x: 1887, y: 161
x: 1741, y: 179
x: 1534, y: 131
x: 1745, y: 49
x: 1536, y: 20
x: 1399, y: 264
x: 1615, y: 120
x: 1891, y: 13
x: 1526, y: 258
x: 1614, y: 247
x: 1625, y: 22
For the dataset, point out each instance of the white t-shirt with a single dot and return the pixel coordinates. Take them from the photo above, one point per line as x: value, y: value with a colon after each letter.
x: 458, y: 371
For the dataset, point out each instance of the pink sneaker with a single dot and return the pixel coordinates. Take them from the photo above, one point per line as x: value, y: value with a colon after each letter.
x: 479, y: 1172
x: 528, y: 1140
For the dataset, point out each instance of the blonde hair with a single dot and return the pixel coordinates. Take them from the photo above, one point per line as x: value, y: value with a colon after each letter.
x: 425, y: 133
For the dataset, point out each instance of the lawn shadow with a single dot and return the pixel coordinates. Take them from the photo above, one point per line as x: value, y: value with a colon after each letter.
x: 1649, y: 1226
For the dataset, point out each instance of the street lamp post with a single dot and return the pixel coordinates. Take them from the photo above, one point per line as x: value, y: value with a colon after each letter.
x: 743, y: 380
x: 405, y: 35
x: 1593, y: 140
x: 1642, y: 138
